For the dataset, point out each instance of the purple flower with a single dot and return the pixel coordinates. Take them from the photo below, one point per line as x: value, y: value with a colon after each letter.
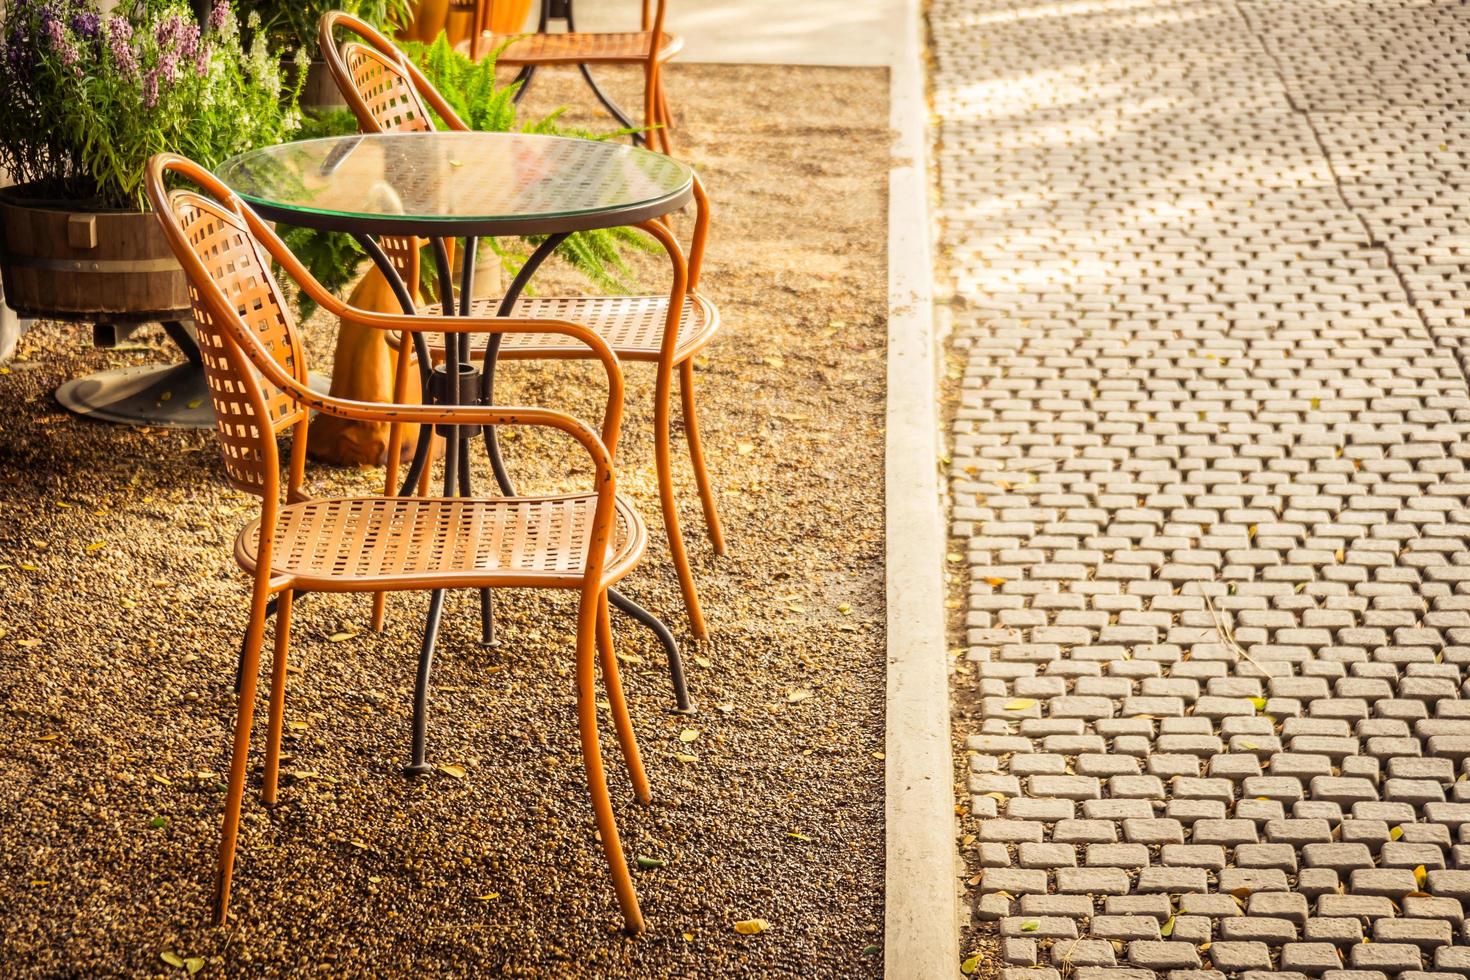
x: 188, y: 41
x: 150, y: 89
x: 119, y: 36
x: 86, y: 23
x: 168, y: 66
x: 219, y: 14
x: 201, y: 60
x: 55, y: 33
x: 167, y: 31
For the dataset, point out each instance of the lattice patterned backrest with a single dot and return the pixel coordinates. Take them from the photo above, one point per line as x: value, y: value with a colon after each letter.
x: 387, y: 91
x: 241, y: 276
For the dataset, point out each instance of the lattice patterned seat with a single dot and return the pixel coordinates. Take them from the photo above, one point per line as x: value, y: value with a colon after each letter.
x: 633, y: 326
x: 582, y: 48
x: 436, y: 543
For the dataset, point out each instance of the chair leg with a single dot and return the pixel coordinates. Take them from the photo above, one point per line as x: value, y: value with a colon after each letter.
x: 592, y: 759
x: 670, y: 507
x: 650, y: 106
x: 696, y: 455
x: 666, y: 116
x: 278, y: 697
x: 239, y: 753
x: 395, y: 446
x: 621, y: 722
x: 418, y: 764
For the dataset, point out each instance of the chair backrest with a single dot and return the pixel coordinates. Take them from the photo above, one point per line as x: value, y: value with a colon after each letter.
x: 233, y: 294
x: 384, y: 89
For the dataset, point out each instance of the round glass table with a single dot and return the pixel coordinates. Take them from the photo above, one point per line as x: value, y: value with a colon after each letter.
x: 464, y: 185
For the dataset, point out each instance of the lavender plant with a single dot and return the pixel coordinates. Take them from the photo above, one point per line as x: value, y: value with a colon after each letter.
x: 89, y: 98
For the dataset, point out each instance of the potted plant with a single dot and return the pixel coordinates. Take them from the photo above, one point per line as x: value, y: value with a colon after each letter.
x: 89, y: 97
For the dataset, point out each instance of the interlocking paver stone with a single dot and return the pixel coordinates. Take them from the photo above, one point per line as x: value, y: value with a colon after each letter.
x: 1210, y: 266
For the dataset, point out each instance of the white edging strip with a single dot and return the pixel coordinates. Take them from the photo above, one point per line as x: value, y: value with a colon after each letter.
x: 921, y: 927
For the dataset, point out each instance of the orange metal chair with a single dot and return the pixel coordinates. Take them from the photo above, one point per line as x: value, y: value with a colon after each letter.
x: 257, y: 374
x: 388, y: 93
x: 650, y: 47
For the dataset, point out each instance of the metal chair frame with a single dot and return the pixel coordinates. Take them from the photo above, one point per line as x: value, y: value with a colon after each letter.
x: 387, y: 92
x: 257, y: 373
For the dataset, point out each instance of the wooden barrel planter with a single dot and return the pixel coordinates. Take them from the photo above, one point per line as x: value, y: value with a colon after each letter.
x: 113, y: 269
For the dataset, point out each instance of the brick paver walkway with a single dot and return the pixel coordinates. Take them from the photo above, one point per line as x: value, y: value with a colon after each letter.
x: 1211, y: 264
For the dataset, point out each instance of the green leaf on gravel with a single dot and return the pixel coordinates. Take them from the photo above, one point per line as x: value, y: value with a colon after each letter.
x: 172, y: 959
x: 870, y: 951
x: 648, y: 863
x: 158, y: 823
x: 1030, y: 925
x: 970, y: 964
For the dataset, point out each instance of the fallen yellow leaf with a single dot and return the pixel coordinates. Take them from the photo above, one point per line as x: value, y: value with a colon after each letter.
x: 751, y: 927
x: 172, y: 959
x: 1020, y: 704
x: 688, y: 734
x: 687, y: 758
x: 745, y: 448
x: 799, y: 694
x: 453, y: 769
x: 340, y: 637
x: 971, y: 964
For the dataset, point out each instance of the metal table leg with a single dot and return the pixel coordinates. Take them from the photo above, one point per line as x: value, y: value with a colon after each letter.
x: 456, y: 461
x: 487, y: 394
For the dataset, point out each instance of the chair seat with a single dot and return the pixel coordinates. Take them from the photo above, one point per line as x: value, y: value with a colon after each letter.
x: 633, y: 327
x: 579, y: 47
x: 378, y: 543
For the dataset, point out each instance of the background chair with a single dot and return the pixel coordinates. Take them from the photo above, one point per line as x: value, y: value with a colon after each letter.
x: 388, y: 93
x: 649, y: 47
x: 256, y: 370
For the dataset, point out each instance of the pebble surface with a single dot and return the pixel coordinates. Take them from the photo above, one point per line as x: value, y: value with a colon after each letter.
x: 123, y: 609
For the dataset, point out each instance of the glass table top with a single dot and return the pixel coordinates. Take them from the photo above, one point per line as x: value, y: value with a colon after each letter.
x: 457, y: 183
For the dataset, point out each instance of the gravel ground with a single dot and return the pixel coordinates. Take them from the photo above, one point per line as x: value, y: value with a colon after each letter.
x: 124, y: 609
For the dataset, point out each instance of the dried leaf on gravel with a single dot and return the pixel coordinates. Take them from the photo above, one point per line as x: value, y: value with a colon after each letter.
x: 745, y: 448
x: 752, y: 927
x: 172, y: 959
x: 340, y: 637
x: 194, y: 963
x: 970, y: 964
x: 687, y: 758
x: 453, y: 769
x: 688, y: 734
x: 798, y: 694
x: 648, y: 863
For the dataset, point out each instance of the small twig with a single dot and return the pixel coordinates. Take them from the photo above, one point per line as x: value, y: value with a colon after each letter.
x: 1225, y: 632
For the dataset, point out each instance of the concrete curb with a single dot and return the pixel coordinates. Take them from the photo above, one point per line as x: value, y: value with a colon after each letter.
x: 921, y: 927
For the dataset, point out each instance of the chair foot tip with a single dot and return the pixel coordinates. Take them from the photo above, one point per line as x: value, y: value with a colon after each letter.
x: 417, y: 769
